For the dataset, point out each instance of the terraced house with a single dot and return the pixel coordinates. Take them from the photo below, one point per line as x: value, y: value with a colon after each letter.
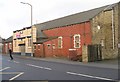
x: 86, y: 36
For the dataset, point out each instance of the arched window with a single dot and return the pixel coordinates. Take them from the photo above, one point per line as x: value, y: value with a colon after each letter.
x: 77, y: 41
x: 59, y: 42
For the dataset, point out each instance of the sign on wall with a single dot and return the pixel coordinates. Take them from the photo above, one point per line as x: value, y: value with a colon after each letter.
x: 17, y: 35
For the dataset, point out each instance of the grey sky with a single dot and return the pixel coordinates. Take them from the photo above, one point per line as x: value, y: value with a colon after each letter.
x: 14, y: 15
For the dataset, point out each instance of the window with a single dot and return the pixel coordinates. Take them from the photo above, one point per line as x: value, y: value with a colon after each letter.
x: 34, y: 46
x: 48, y: 46
x: 59, y: 42
x: 53, y: 46
x: 29, y: 42
x: 77, y: 41
x: 15, y: 43
x: 38, y: 46
x: 10, y: 45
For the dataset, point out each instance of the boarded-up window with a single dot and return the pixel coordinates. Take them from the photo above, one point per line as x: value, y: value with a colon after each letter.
x: 77, y: 41
x: 59, y: 42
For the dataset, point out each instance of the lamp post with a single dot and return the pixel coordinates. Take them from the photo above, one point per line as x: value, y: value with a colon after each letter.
x: 31, y: 28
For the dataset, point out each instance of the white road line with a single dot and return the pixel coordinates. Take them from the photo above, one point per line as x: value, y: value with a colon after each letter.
x: 5, y: 68
x: 8, y: 60
x: 16, y: 62
x: 16, y: 76
x: 39, y: 67
x: 13, y: 61
x: 84, y: 75
x: 47, y: 68
x: 10, y: 72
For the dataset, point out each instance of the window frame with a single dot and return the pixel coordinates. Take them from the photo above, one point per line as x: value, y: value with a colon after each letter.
x: 29, y: 42
x: 61, y: 42
x: 79, y: 41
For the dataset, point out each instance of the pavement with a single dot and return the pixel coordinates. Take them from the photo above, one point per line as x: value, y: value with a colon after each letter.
x: 113, y: 64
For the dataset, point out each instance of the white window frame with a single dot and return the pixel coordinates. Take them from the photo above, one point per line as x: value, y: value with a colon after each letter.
x: 77, y: 35
x: 48, y: 46
x: 61, y: 46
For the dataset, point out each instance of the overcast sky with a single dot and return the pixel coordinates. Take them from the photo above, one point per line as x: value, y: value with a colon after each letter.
x: 15, y: 16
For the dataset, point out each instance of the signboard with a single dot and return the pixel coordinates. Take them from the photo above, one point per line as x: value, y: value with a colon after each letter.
x: 17, y: 35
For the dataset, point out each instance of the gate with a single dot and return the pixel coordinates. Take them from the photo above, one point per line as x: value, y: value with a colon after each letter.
x: 94, y: 53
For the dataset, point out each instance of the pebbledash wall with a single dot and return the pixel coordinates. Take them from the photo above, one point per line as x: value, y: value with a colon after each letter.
x: 105, y: 27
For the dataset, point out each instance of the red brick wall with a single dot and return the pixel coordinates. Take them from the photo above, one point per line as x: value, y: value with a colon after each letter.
x: 83, y: 29
x: 38, y: 51
x: 7, y: 47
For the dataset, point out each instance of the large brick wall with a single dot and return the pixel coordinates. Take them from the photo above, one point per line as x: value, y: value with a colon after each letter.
x: 103, y: 33
x: 67, y: 34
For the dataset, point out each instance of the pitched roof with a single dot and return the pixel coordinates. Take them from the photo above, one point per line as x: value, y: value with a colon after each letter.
x: 0, y: 39
x: 42, y: 40
x: 71, y: 19
x: 68, y: 20
x: 9, y: 39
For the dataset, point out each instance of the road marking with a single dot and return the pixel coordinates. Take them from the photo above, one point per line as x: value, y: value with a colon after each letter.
x: 47, y: 68
x: 10, y: 72
x: 34, y: 66
x: 8, y: 60
x: 84, y: 75
x: 5, y: 68
x: 39, y: 67
x: 16, y: 76
x: 13, y: 61
x: 16, y: 62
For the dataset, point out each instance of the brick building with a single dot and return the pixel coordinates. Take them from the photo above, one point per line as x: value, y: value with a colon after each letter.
x: 1, y: 44
x: 90, y: 35
x: 7, y: 44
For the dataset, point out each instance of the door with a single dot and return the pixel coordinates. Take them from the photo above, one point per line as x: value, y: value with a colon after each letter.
x: 22, y: 49
x: 94, y: 53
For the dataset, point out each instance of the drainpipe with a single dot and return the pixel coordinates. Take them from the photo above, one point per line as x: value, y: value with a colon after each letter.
x: 113, y: 36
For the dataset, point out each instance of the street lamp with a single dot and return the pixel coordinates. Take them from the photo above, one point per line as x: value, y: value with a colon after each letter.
x: 31, y: 28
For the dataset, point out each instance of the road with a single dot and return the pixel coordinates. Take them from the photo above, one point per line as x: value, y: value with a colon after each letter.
x: 32, y: 69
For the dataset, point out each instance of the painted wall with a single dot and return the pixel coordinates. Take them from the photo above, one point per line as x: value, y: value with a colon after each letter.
x: 25, y: 34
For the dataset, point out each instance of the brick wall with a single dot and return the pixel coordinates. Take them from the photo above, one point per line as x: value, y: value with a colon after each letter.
x: 67, y: 33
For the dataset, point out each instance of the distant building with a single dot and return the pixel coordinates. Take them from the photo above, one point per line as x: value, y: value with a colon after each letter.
x: 1, y: 44
x: 7, y: 44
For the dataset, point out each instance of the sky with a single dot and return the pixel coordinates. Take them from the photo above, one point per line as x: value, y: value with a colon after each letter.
x: 15, y: 15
